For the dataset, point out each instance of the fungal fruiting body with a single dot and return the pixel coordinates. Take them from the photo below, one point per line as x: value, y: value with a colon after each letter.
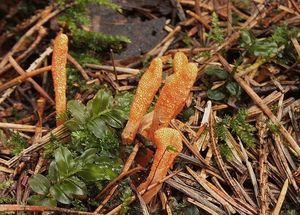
x: 174, y: 93
x: 59, y: 74
x: 146, y: 90
x: 169, y: 145
x: 179, y: 62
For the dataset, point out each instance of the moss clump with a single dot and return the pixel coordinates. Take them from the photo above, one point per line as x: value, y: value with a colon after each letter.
x: 89, y: 43
x: 238, y: 126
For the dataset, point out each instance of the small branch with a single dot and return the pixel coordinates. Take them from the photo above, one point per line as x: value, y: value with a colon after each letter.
x: 35, y: 85
x: 107, y: 198
x: 27, y: 128
x: 78, y: 67
x: 24, y: 77
x: 263, y: 159
x: 60, y: 132
x: 35, y: 208
x: 117, y: 69
x: 41, y: 34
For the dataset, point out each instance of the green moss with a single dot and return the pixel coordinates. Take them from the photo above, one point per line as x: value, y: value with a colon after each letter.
x: 76, y: 16
x: 96, y: 41
x: 17, y: 143
x: 274, y: 128
x: 86, y: 57
x: 6, y: 184
x: 216, y: 33
x: 239, y: 126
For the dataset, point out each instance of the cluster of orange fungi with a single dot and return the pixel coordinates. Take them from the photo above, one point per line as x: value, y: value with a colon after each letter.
x: 154, y: 125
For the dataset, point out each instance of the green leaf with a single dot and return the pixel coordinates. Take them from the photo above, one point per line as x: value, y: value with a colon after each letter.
x: 187, y: 113
x: 53, y: 172
x: 233, y: 88
x: 247, y: 38
x: 124, y: 100
x: 64, y: 162
x: 281, y: 35
x: 101, y: 101
x: 217, y: 72
x: 42, y: 201
x: 73, y: 125
x: 58, y: 193
x: 39, y: 184
x: 264, y: 48
x: 93, y: 172
x: 78, y: 111
x: 98, y: 127
x: 73, y: 186
x: 114, y: 118
x: 258, y: 47
x: 215, y: 95
x: 87, y: 157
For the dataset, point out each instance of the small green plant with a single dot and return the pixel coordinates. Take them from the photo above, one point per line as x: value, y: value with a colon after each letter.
x: 68, y: 176
x: 187, y: 40
x: 97, y: 124
x: 125, y: 198
x: 17, y: 143
x: 51, y: 147
x: 278, y: 45
x: 239, y: 126
x: 226, y: 151
x: 274, y: 128
x: 76, y: 84
x: 229, y: 88
x: 216, y: 33
x: 185, y: 208
x: 6, y: 184
x: 5, y: 198
x: 264, y: 47
x: 100, y: 116
x: 222, y: 135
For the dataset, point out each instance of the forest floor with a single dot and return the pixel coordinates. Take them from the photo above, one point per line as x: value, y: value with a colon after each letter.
x: 238, y: 119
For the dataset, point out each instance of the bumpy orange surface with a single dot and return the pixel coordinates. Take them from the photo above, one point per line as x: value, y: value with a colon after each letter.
x: 59, y: 61
x: 146, y: 90
x: 174, y: 93
x: 179, y: 62
x: 169, y: 145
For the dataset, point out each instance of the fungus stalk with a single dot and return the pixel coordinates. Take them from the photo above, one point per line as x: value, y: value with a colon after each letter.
x: 59, y: 74
x: 174, y: 93
x: 146, y: 90
x: 169, y: 145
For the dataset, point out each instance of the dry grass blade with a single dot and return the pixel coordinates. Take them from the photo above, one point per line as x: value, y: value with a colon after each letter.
x: 213, y: 192
x: 194, y: 195
x: 281, y: 198
x: 17, y: 67
x: 23, y: 77
x: 263, y: 158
